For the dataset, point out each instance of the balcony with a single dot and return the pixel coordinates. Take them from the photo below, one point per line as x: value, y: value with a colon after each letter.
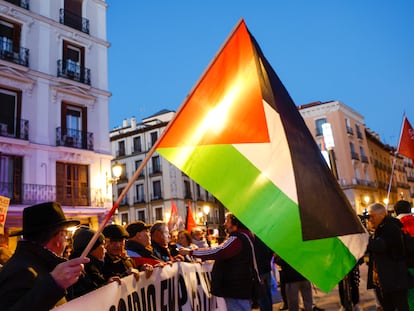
x: 364, y: 159
x: 74, y: 138
x: 71, y: 70
x: 29, y: 194
x: 21, y: 3
x: 74, y: 21
x: 7, y: 53
x: 354, y: 155
x: 16, y: 128
x: 359, y: 135
x: 349, y: 130
x: 139, y: 199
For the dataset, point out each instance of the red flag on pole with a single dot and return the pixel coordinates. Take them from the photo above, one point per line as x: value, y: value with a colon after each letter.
x: 406, y: 145
x: 175, y: 220
x: 190, y: 223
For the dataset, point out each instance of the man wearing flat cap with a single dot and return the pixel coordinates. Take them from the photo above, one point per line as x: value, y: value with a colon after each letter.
x: 36, y: 276
x: 117, y: 263
x: 138, y: 246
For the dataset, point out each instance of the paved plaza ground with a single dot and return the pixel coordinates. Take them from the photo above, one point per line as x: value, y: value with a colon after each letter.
x: 330, y: 301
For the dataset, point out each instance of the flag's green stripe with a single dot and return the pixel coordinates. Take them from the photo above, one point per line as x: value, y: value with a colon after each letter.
x: 264, y: 208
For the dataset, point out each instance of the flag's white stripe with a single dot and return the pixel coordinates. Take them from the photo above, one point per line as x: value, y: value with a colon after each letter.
x: 273, y: 159
x: 356, y: 243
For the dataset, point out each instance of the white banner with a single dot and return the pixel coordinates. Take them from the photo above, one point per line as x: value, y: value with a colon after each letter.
x: 181, y: 286
x: 4, y: 205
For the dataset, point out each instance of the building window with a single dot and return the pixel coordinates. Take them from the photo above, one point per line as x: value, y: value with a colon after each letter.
x: 156, y: 165
x: 11, y: 177
x: 10, y: 106
x: 158, y: 214
x: 121, y: 148
x: 72, y: 186
x: 354, y: 155
x: 318, y: 126
x: 124, y: 219
x: 137, y: 165
x: 9, y: 37
x: 156, y: 187
x: 137, y: 144
x: 73, y: 60
x: 348, y: 127
x: 141, y: 215
x: 358, y: 131
x: 139, y: 193
x: 74, y: 126
x: 187, y: 190
x: 154, y: 138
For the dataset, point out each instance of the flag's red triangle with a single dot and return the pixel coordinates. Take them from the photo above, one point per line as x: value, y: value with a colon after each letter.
x: 228, y: 96
x: 190, y: 223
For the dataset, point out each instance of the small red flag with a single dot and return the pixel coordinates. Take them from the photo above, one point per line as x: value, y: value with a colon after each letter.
x: 175, y: 220
x: 190, y: 223
x: 406, y: 145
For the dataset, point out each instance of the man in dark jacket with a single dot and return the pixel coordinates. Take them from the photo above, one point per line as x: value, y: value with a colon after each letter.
x: 36, y: 276
x: 387, y: 272
x: 116, y: 261
x: 231, y: 277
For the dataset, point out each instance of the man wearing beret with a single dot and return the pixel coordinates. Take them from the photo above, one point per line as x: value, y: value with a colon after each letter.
x: 36, y: 276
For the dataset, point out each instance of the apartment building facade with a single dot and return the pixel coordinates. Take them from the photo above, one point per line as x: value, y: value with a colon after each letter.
x: 160, y: 184
x: 54, y: 98
x: 361, y: 162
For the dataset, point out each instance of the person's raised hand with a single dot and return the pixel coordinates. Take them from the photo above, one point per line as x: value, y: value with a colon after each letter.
x: 67, y: 273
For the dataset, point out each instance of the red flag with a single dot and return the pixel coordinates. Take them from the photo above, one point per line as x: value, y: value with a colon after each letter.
x: 406, y: 145
x: 175, y: 220
x: 190, y: 223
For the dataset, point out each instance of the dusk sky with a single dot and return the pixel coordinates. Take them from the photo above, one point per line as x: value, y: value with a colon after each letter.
x: 358, y: 52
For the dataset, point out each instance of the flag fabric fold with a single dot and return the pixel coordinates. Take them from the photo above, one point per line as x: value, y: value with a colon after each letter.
x: 240, y: 136
x: 406, y: 144
x: 190, y: 223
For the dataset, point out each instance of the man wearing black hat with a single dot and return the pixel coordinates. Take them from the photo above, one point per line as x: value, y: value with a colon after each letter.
x: 117, y: 263
x: 36, y: 276
x: 138, y: 246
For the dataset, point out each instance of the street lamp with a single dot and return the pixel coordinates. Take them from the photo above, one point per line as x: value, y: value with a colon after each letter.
x: 116, y: 173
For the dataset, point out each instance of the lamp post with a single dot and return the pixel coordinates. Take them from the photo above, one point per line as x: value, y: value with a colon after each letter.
x: 116, y: 173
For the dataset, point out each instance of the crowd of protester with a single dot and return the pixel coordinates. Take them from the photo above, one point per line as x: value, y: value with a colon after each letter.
x: 47, y: 268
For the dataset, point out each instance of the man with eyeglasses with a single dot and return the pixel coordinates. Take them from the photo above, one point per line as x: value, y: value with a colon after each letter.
x: 36, y: 276
x: 117, y: 262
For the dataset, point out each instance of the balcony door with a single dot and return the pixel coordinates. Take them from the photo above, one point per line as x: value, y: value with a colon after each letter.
x: 73, y: 60
x: 11, y: 177
x: 72, y: 186
x: 10, y: 112
x: 74, y: 123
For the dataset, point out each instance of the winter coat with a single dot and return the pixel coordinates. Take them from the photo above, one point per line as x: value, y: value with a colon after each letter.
x: 26, y: 282
x: 92, y: 278
x: 386, y: 251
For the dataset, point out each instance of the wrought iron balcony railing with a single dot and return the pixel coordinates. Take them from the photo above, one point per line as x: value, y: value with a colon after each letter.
x: 20, y: 193
x: 74, y: 138
x: 15, y: 128
x: 74, y: 21
x: 20, y: 57
x: 21, y: 3
x: 70, y: 70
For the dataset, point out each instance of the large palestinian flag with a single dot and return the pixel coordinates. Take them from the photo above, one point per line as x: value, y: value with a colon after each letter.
x: 240, y: 136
